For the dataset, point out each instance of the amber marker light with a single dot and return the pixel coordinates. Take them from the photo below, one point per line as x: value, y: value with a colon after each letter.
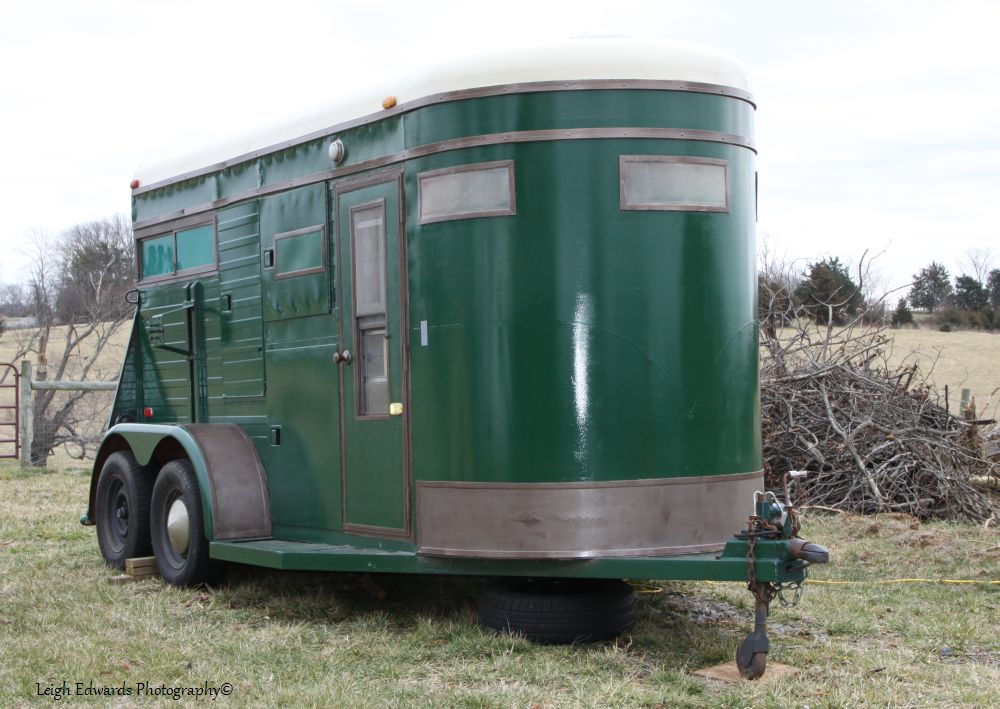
x: 388, y: 102
x: 134, y: 184
x: 148, y: 412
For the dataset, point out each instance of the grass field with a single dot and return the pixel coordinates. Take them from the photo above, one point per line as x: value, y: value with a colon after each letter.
x: 297, y: 639
x: 957, y: 359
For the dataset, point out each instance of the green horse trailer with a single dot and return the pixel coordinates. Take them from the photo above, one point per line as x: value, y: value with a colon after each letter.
x: 497, y: 319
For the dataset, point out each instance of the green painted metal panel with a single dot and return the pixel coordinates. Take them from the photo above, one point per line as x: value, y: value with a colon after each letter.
x: 303, y: 404
x: 174, y: 197
x: 374, y: 456
x: 301, y: 252
x: 772, y: 564
x: 575, y: 341
x: 128, y: 404
x: 577, y: 109
x: 238, y: 179
x: 304, y: 470
x: 304, y: 208
x: 239, y: 305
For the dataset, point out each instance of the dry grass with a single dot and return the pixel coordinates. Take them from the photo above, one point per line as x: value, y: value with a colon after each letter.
x: 959, y: 359
x: 298, y: 639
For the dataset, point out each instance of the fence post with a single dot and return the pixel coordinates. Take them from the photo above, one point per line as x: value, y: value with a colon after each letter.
x: 27, y: 414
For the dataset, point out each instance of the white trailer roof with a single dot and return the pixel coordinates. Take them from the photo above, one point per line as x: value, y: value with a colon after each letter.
x: 571, y: 60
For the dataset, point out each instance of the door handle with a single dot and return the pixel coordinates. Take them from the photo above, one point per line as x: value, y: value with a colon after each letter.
x: 342, y: 357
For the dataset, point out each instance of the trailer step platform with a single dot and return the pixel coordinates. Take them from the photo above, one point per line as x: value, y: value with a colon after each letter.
x: 730, y: 565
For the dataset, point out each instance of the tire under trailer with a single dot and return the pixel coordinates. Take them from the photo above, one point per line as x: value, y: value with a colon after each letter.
x: 558, y: 611
x: 177, y: 528
x: 121, y: 509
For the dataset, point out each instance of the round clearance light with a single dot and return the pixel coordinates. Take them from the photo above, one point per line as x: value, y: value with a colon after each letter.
x: 134, y: 184
x: 337, y: 151
x: 388, y: 102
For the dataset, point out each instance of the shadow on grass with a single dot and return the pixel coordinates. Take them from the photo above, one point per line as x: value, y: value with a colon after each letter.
x: 312, y: 596
x: 673, y: 629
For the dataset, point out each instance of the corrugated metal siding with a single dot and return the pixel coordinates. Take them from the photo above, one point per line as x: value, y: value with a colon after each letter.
x: 241, y: 332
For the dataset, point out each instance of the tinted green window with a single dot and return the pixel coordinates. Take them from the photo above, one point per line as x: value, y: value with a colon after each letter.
x: 195, y: 247
x: 158, y: 256
x: 183, y: 250
x: 297, y: 254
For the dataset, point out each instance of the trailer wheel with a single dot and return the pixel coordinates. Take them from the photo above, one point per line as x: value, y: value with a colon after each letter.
x: 558, y: 611
x: 178, y: 527
x: 122, y: 509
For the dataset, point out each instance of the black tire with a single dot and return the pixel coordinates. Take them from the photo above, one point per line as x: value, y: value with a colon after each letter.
x: 180, y: 564
x: 558, y: 611
x: 121, y: 509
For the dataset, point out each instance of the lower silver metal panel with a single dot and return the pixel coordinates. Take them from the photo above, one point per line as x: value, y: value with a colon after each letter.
x: 583, y: 520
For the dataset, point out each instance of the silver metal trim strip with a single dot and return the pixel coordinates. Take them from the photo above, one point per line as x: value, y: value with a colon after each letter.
x: 482, y: 92
x: 571, y: 554
x: 459, y: 144
x: 583, y: 520
x: 642, y: 482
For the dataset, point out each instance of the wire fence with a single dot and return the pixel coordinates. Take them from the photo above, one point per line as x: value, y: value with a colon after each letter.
x: 75, y: 439
x: 62, y: 422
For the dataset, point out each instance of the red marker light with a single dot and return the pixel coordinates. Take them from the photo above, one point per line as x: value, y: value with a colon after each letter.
x: 148, y: 412
x: 134, y: 184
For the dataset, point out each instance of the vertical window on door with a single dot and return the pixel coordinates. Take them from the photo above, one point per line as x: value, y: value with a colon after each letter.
x: 369, y: 285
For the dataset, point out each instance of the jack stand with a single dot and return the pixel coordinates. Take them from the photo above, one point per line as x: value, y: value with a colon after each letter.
x: 751, y: 656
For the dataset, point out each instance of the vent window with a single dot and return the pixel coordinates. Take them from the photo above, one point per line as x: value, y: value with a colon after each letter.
x: 467, y: 191
x: 657, y: 182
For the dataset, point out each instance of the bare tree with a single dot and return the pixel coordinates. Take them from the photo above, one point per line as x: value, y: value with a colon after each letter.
x: 874, y: 291
x: 15, y: 301
x: 776, y: 284
x: 77, y: 284
x: 977, y: 263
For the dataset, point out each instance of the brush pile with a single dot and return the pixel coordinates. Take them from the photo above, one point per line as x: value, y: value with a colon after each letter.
x: 875, y: 437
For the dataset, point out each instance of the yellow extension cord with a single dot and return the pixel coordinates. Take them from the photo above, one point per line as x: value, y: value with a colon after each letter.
x: 833, y: 582
x: 837, y: 582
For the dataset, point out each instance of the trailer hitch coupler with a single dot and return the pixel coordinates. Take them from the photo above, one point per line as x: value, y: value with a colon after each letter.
x: 808, y: 551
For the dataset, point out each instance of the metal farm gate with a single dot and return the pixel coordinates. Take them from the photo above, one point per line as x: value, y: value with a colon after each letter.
x: 10, y: 445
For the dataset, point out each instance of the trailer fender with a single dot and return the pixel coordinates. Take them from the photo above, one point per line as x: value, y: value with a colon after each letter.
x: 231, y: 479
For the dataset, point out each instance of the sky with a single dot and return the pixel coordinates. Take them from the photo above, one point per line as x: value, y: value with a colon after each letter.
x: 878, y: 122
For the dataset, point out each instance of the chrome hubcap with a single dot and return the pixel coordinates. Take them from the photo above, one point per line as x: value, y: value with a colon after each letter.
x: 177, y: 527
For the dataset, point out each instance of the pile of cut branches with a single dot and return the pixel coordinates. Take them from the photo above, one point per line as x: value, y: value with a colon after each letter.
x: 876, y: 437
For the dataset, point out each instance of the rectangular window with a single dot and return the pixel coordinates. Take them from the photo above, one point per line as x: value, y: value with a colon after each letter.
x: 297, y: 253
x: 466, y: 191
x: 673, y: 183
x: 368, y: 235
x: 374, y: 372
x: 181, y: 252
x: 368, y: 258
x: 195, y: 247
x: 157, y: 256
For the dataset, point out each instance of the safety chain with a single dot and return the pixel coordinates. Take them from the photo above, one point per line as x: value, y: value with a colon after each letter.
x: 764, y: 592
x: 751, y: 561
x: 797, y: 588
